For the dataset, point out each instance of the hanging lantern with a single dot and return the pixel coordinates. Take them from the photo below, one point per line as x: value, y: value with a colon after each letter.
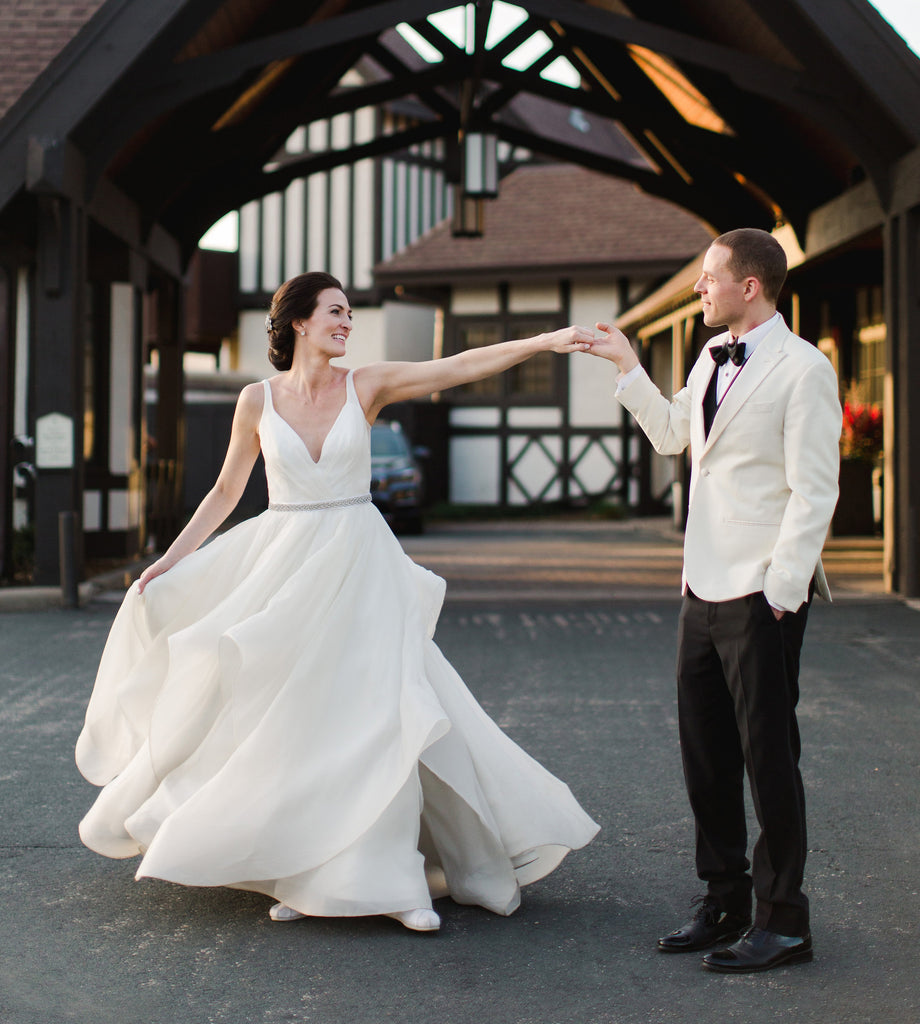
x: 480, y: 165
x: 469, y: 215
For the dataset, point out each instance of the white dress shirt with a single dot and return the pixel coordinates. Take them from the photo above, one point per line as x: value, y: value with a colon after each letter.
x: 728, y: 372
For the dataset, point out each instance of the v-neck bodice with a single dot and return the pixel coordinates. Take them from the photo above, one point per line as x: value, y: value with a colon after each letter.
x: 343, y: 469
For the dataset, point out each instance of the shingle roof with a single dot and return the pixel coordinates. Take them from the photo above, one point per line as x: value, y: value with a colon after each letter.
x: 34, y: 32
x: 556, y: 216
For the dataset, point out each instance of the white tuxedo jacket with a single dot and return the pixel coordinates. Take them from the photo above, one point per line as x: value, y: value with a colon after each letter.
x: 764, y: 482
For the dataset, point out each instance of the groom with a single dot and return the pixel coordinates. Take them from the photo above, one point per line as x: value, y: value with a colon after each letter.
x: 761, y: 413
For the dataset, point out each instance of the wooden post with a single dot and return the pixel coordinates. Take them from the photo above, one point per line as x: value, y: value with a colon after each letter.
x: 57, y: 377
x: 170, y: 429
x: 902, y: 427
x: 6, y: 423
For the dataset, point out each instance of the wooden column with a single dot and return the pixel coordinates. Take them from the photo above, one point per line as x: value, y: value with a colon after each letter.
x: 681, y: 344
x: 902, y: 427
x: 57, y: 375
x: 6, y: 421
x: 170, y: 421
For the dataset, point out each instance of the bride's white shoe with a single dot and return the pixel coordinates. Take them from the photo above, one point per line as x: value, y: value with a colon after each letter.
x: 282, y: 912
x: 417, y: 920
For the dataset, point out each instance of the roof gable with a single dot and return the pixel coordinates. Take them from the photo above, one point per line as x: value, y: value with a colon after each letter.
x: 702, y: 90
x: 557, y: 216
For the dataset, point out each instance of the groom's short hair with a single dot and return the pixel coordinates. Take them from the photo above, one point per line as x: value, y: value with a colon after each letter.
x: 756, y: 253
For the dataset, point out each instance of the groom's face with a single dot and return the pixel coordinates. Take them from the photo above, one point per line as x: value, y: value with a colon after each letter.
x: 723, y: 295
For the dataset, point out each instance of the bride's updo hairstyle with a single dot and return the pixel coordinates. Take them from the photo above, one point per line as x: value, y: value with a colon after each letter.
x: 295, y: 300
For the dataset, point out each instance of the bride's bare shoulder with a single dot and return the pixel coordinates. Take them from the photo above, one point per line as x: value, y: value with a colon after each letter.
x: 250, y: 401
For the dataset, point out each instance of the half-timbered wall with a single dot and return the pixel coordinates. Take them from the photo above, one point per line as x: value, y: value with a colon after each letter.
x: 344, y: 220
x: 555, y: 434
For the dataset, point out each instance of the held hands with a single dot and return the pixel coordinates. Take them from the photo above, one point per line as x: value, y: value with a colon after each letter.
x: 614, y: 345
x: 570, y: 339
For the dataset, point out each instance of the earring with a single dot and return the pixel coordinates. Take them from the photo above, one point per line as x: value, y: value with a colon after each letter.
x: 303, y: 334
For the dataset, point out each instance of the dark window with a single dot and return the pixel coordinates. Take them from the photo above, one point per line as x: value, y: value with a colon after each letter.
x: 538, y: 381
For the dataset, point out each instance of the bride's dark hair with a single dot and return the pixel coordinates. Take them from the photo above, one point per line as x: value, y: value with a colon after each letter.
x: 295, y: 300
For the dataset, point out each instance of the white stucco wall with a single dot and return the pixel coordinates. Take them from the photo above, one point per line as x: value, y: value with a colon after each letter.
x: 474, y: 470
x: 409, y: 330
x: 252, y: 345
x: 472, y: 301
x: 592, y: 381
x: 545, y: 297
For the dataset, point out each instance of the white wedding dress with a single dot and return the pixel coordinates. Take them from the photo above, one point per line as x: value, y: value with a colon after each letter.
x: 272, y: 714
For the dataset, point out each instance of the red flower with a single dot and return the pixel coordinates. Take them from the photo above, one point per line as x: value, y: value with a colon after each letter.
x: 862, y: 436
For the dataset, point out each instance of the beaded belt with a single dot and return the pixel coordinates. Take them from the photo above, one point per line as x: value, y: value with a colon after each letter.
x: 315, y: 506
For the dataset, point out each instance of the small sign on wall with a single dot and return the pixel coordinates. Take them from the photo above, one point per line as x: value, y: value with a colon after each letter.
x: 54, y: 442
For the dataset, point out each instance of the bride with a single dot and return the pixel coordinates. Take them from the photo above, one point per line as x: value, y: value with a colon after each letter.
x: 270, y: 711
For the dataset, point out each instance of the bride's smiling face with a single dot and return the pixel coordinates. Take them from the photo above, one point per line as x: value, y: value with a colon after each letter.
x: 329, y: 324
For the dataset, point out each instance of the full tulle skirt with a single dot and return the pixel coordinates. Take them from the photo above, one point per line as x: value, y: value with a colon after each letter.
x: 273, y: 714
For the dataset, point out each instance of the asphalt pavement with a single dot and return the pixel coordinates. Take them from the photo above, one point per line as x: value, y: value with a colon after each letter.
x: 566, y: 634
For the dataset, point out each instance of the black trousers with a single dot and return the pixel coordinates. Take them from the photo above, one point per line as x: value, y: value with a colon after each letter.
x: 737, y: 688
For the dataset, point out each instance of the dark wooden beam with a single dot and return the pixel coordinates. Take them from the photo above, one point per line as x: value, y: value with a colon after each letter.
x: 871, y: 51
x: 80, y: 77
x: 169, y: 312
x: 206, y: 199
x: 905, y: 177
x: 831, y: 92
x: 57, y: 323
x: 257, y: 136
x: 7, y: 376
x: 444, y: 45
x: 513, y: 40
x: 865, y: 131
x: 718, y: 208
x: 176, y: 84
x: 902, y: 431
x: 852, y: 214
x: 748, y: 71
x: 685, y: 154
x: 423, y: 83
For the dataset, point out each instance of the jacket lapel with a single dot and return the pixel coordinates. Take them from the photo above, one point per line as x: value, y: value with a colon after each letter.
x: 698, y: 414
x: 761, y: 364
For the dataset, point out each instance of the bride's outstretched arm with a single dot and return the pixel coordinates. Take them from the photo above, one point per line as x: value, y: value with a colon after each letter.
x: 221, y: 500
x: 382, y: 383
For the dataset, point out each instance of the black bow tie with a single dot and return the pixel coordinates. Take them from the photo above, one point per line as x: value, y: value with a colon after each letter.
x: 733, y: 350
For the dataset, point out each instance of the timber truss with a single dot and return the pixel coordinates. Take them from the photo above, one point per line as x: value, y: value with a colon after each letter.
x: 753, y: 116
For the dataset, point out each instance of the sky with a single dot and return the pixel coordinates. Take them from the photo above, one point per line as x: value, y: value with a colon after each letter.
x: 903, y: 15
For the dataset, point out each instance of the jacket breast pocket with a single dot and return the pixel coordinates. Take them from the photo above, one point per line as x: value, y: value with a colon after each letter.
x: 756, y: 418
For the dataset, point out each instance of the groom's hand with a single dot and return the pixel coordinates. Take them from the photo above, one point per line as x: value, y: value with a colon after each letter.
x: 614, y: 345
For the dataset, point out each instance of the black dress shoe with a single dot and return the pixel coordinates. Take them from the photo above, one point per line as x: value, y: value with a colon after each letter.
x: 709, y: 926
x: 759, y: 950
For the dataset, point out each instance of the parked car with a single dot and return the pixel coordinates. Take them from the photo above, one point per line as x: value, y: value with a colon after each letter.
x: 396, y: 478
